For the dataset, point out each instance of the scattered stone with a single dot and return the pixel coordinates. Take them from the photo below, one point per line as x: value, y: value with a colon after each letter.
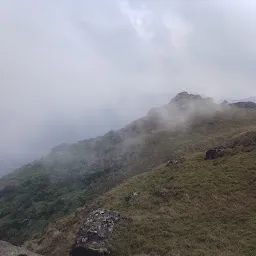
x: 131, y: 196
x: 175, y: 161
x: 92, y: 237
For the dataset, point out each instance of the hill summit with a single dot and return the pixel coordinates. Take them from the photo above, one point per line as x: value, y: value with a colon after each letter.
x: 184, y: 98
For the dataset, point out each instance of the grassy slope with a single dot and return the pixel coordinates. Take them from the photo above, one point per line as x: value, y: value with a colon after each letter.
x: 198, y: 207
x: 42, y: 199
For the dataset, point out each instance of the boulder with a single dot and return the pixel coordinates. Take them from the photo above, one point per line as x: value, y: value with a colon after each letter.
x: 214, y: 153
x: 92, y: 238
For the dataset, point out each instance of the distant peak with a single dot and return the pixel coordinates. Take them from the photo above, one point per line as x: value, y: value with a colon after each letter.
x: 184, y: 97
x: 183, y: 94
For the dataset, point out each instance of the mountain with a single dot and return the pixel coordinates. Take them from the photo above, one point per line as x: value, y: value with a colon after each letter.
x: 19, y: 147
x: 74, y: 175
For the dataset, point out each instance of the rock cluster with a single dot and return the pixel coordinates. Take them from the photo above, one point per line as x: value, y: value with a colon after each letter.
x: 92, y: 237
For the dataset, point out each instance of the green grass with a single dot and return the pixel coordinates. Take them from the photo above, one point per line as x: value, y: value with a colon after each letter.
x: 57, y: 184
x: 197, y: 208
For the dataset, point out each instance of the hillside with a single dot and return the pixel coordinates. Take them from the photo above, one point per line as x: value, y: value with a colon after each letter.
x: 198, y: 207
x: 73, y: 175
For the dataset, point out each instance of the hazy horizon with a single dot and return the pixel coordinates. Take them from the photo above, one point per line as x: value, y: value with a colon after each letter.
x: 75, y: 70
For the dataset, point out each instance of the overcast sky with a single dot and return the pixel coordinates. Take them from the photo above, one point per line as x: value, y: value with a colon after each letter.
x: 74, y: 69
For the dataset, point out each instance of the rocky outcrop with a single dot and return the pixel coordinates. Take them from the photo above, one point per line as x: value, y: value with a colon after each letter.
x: 7, y: 249
x: 183, y: 100
x: 185, y: 96
x: 92, y: 238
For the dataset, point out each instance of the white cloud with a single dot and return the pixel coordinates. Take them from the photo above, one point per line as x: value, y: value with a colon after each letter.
x: 140, y: 19
x: 67, y: 66
x: 179, y: 29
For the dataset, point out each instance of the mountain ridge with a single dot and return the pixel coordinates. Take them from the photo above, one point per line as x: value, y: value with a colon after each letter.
x: 75, y: 174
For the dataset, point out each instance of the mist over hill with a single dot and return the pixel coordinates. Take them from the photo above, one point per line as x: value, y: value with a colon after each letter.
x: 83, y: 68
x: 74, y: 174
x: 15, y: 153
x: 60, y: 131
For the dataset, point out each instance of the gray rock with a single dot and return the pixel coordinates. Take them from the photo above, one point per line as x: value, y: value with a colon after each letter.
x: 214, y: 153
x: 92, y: 237
x: 7, y: 249
x: 131, y: 196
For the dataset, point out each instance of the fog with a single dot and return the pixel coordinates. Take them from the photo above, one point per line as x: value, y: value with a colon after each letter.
x: 71, y: 70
